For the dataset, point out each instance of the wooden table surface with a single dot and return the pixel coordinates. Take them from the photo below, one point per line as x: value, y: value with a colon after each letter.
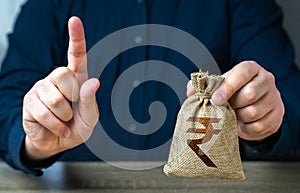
x: 270, y: 177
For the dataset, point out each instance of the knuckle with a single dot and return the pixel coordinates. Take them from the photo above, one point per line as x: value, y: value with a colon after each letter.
x: 56, y: 101
x: 59, y: 73
x: 78, y: 53
x: 259, y: 129
x: 252, y: 63
x: 250, y: 94
x: 252, y: 113
x: 247, y: 69
x: 38, y: 83
x: 44, y: 114
x: 27, y: 98
x: 246, y: 74
x: 270, y: 77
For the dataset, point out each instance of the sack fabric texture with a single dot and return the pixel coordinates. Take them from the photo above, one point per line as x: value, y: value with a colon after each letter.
x: 205, y: 140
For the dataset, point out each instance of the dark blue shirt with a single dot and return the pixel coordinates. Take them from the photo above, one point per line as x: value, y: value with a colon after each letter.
x: 232, y: 30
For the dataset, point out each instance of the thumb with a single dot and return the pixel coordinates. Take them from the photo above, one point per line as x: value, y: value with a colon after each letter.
x: 88, y: 107
x: 219, y: 96
x: 77, y: 49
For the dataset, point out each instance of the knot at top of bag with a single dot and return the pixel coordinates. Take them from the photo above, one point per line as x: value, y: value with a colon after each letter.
x: 205, y: 84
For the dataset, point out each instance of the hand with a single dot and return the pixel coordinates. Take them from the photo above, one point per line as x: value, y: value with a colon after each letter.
x: 50, y: 122
x: 252, y: 93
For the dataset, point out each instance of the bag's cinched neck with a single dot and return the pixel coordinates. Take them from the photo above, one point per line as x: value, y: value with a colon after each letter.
x: 204, y: 83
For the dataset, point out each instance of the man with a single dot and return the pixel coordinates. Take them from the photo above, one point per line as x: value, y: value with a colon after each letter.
x: 39, y: 126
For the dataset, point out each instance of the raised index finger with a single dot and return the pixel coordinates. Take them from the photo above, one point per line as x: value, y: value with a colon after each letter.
x: 77, y: 49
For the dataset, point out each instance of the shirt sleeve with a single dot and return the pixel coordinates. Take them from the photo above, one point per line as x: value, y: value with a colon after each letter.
x: 35, y: 48
x: 257, y: 34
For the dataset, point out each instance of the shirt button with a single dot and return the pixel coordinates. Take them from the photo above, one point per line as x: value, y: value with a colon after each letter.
x: 138, y: 39
x: 139, y: 1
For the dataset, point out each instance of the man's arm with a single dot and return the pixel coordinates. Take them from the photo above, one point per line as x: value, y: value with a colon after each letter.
x: 34, y: 50
x: 264, y: 58
x: 257, y: 34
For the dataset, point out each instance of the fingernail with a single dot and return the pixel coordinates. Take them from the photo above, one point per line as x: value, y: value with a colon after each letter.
x: 218, y: 99
x: 67, y: 133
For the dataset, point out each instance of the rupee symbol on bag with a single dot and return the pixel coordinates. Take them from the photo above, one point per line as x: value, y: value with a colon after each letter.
x: 208, y: 130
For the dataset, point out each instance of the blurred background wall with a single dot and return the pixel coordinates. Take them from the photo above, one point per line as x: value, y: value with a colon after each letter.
x: 9, y: 9
x: 291, y: 10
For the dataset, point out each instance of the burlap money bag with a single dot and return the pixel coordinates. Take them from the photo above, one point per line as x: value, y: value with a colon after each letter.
x: 205, y: 140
